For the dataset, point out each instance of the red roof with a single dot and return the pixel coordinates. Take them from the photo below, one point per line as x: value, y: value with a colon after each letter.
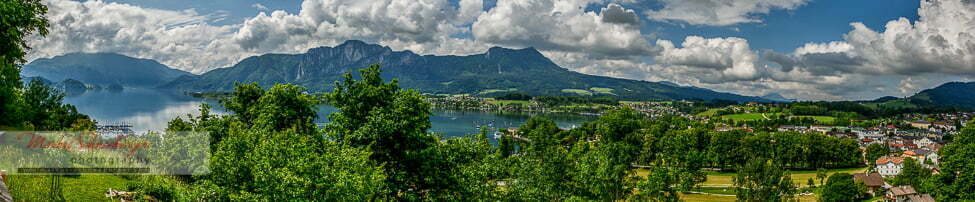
x: 885, y: 159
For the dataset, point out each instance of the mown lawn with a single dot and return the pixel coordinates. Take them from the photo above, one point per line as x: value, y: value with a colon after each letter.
x: 821, y: 119
x: 719, y: 198
x: 749, y: 116
x: 73, y: 188
x: 798, y: 177
x: 724, y: 179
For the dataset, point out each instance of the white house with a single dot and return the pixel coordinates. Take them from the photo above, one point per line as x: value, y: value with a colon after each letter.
x: 923, y: 141
x: 889, y: 166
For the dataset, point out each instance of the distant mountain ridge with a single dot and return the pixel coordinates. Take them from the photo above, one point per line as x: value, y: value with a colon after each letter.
x: 495, y: 72
x: 102, y: 69
x: 777, y: 97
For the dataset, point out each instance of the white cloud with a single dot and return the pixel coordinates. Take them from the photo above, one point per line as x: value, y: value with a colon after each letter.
x: 940, y: 42
x: 731, y: 56
x: 559, y: 26
x: 259, y: 7
x: 183, y: 39
x: 614, y: 13
x: 425, y: 26
x: 718, y: 12
x: 180, y: 39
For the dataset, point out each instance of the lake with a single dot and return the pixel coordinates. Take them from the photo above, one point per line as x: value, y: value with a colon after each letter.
x: 150, y: 110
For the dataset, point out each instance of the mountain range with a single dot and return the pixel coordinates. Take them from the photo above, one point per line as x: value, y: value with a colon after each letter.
x: 497, y: 71
x: 102, y: 69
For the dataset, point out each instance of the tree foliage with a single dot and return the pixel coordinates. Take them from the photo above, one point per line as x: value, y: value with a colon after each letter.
x: 842, y: 187
x: 763, y: 180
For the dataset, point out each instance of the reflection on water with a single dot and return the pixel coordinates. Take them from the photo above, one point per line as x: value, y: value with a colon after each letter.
x: 149, y: 109
x: 144, y: 109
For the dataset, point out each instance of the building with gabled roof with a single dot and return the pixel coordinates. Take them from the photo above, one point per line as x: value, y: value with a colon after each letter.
x: 889, y: 166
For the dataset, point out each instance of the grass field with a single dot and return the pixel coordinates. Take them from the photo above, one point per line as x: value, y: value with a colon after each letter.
x: 748, y: 116
x: 608, y: 91
x: 709, y: 112
x: 893, y: 104
x: 489, y: 91
x: 798, y: 177
x: 73, y: 188
x: 724, y: 179
x: 720, y: 198
x: 821, y: 119
x: 578, y: 92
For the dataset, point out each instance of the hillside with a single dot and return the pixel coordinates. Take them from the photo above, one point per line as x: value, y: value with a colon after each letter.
x: 102, y: 69
x: 951, y: 94
x: 495, y: 72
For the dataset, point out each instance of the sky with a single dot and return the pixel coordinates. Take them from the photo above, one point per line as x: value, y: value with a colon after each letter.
x: 802, y: 49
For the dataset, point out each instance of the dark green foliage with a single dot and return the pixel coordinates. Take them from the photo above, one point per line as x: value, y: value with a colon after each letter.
x: 763, y: 180
x: 841, y: 187
x: 514, y: 96
x: 875, y: 151
x: 43, y: 109
x: 957, y: 177
x: 18, y: 20
x: 392, y: 124
x: 911, y: 174
x: 951, y: 94
x: 271, y: 150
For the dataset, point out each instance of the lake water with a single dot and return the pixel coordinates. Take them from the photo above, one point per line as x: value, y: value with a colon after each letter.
x: 150, y: 110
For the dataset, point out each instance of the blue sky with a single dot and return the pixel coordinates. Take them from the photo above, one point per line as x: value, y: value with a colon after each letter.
x: 805, y: 49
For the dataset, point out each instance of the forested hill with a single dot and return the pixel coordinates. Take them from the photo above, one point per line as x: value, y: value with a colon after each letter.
x: 951, y: 94
x: 102, y: 69
x: 495, y: 72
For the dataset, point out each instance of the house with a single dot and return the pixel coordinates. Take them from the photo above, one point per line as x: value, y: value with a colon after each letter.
x: 944, y: 125
x: 921, y: 198
x: 874, y: 182
x: 922, y: 124
x: 784, y: 128
x: 906, y: 194
x: 922, y: 155
x: 889, y: 166
x: 821, y: 128
x: 923, y: 141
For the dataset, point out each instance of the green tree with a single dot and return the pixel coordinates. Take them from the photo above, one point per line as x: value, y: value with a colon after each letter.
x: 762, y: 180
x: 911, y: 174
x: 602, y: 170
x: 957, y: 176
x: 43, y: 109
x: 392, y: 124
x: 18, y: 20
x: 821, y: 174
x: 841, y: 187
x: 875, y: 151
x: 270, y: 150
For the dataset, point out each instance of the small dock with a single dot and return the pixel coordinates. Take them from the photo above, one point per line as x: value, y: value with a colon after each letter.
x: 115, y: 128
